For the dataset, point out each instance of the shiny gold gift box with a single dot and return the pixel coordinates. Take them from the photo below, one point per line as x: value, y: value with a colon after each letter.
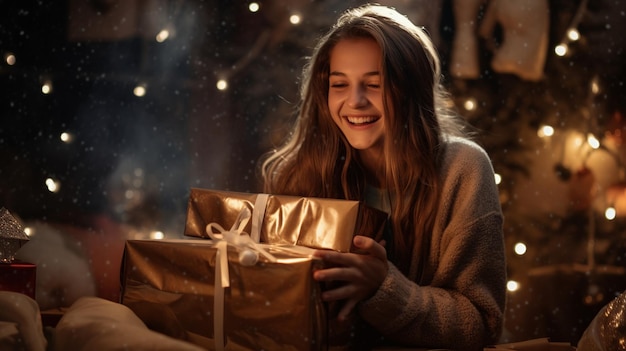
x: 169, y: 284
x: 291, y: 220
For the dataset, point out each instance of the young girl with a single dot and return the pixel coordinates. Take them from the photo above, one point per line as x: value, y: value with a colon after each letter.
x: 374, y: 125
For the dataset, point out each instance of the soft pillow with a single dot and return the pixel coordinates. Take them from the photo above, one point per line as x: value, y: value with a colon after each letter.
x: 93, y: 323
x: 20, y: 323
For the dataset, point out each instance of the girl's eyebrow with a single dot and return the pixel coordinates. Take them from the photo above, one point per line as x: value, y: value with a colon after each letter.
x: 373, y: 73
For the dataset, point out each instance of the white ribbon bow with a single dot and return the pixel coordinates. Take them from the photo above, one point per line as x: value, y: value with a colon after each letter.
x: 249, y: 250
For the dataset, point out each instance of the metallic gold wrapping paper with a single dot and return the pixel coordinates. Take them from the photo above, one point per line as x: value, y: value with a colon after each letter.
x: 291, y: 220
x: 169, y: 284
x: 607, y: 331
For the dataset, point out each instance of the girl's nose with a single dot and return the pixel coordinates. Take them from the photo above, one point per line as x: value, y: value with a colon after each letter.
x: 357, y: 98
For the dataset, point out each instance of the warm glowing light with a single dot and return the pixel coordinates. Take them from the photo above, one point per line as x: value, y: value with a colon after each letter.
x: 139, y: 91
x: 53, y: 185
x: 222, y: 84
x: 253, y: 7
x: 129, y: 194
x: 593, y: 141
x: 578, y: 140
x: 545, y: 131
x: 162, y: 35
x: 9, y: 58
x: 28, y: 231
x: 560, y: 50
x: 595, y: 86
x: 157, y: 234
x: 470, y: 104
x: 498, y: 178
x: 610, y: 213
x: 46, y: 88
x: 66, y: 137
x: 512, y: 285
x: 295, y: 19
x: 520, y: 248
x: 573, y: 34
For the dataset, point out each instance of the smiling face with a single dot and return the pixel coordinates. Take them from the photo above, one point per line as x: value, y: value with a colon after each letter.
x: 355, y: 97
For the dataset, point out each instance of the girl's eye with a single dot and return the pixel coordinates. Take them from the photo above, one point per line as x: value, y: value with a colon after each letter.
x: 375, y: 86
x: 338, y: 85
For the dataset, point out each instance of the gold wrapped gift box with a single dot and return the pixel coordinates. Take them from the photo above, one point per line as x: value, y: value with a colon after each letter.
x: 312, y: 222
x: 169, y: 284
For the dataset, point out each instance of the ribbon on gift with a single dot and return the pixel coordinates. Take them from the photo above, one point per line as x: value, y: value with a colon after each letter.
x: 257, y: 216
x: 248, y: 248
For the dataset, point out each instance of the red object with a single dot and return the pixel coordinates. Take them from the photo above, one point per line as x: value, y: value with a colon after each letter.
x: 19, y: 277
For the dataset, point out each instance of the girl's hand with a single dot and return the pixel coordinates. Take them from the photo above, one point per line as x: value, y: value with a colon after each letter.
x: 362, y: 273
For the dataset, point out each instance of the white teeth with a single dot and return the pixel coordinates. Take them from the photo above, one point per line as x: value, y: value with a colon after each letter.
x: 361, y: 119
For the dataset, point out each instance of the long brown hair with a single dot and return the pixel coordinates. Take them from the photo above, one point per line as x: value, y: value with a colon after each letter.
x: 317, y: 160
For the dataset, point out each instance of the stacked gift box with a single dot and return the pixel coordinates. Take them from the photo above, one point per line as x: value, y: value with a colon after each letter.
x: 209, y: 291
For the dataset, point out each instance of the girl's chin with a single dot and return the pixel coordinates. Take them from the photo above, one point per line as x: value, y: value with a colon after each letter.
x: 364, y: 145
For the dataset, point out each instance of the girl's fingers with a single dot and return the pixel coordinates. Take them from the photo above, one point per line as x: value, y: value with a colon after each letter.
x: 339, y: 293
x: 366, y: 247
x: 336, y: 273
x: 337, y: 258
x: 370, y: 246
x: 347, y: 309
x: 360, y: 273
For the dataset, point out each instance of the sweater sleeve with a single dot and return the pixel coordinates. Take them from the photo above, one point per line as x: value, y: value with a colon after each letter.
x: 460, y: 301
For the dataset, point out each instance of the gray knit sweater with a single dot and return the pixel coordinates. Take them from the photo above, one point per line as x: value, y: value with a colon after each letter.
x: 460, y: 301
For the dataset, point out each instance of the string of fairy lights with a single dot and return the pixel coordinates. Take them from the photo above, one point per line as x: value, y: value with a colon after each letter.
x: 584, y: 142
